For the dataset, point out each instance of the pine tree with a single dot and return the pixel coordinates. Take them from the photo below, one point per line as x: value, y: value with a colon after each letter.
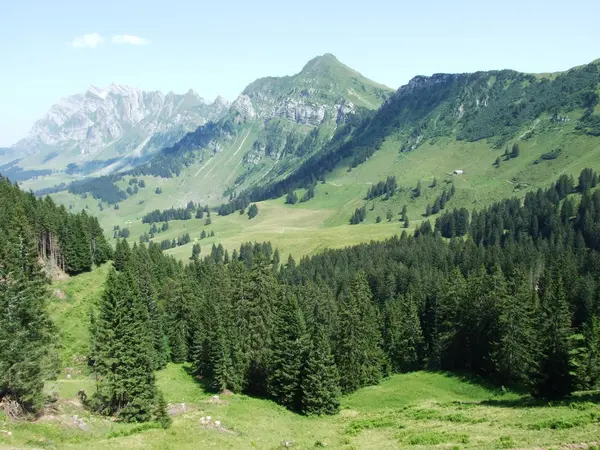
x: 320, y: 380
x: 126, y: 383
x: 195, y: 252
x: 142, y: 271
x: 177, y: 298
x: 516, y: 151
x: 585, y: 355
x: 553, y: 379
x: 26, y: 331
x: 256, y: 307
x: 122, y: 255
x: 288, y: 352
x: 515, y: 353
x: 402, y: 335
x: 359, y: 356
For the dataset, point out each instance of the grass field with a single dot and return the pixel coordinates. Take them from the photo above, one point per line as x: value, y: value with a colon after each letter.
x: 322, y: 222
x: 418, y: 410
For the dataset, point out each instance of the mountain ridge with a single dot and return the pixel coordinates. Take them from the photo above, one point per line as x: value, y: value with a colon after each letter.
x: 118, y: 123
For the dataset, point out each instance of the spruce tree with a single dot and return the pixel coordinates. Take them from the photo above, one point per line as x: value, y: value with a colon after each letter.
x: 553, y: 379
x: 26, y: 331
x: 177, y: 297
x: 359, y: 356
x: 256, y: 307
x: 402, y: 335
x: 126, y: 385
x: 288, y: 352
x: 515, y: 353
x: 122, y: 255
x: 320, y: 379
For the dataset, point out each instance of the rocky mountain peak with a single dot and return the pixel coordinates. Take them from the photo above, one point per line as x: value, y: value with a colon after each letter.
x: 117, y: 122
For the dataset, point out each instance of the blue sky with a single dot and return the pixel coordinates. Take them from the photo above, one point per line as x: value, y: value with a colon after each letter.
x: 218, y: 47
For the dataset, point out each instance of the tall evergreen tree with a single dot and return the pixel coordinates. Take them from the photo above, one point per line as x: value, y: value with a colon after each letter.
x: 126, y: 383
x: 288, y: 353
x: 402, y: 334
x: 554, y: 379
x: 359, y: 356
x: 515, y: 353
x: 26, y: 330
x: 320, y: 379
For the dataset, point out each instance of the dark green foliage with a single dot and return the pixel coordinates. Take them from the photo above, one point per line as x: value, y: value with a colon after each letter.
x: 516, y: 151
x: 515, y: 352
x: 26, y: 332
x: 402, y: 335
x: 516, y: 301
x: 252, y: 211
x: 178, y: 297
x: 320, y: 379
x: 101, y: 188
x: 359, y: 356
x: 288, y: 354
x: 387, y: 188
x: 123, y: 358
x: 310, y: 193
x: 170, y: 214
x: 196, y: 250
x: 291, y: 198
x: 554, y: 379
x: 588, y: 179
x: 359, y: 215
x: 417, y: 191
x: 453, y: 223
x: 550, y: 155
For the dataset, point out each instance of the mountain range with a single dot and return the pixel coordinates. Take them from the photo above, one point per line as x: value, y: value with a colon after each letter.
x: 108, y: 129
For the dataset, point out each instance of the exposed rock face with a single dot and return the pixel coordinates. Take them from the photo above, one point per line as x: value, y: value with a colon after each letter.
x: 129, y: 121
x: 243, y: 105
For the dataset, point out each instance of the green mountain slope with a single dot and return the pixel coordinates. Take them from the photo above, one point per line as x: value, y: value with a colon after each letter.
x: 425, y: 131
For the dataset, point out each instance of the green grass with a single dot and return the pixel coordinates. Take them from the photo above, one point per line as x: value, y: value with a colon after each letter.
x: 417, y: 410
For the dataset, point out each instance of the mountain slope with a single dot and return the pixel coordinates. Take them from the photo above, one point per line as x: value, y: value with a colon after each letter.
x: 497, y: 106
x: 111, y: 128
x: 270, y: 129
x: 425, y: 131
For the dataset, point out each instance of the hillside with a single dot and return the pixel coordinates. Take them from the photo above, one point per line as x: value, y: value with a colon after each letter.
x: 424, y: 132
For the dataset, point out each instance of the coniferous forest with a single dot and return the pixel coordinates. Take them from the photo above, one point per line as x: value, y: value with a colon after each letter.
x: 509, y: 293
x: 33, y: 231
x: 516, y: 302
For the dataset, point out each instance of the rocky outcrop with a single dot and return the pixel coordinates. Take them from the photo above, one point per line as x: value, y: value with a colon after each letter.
x: 125, y: 119
x: 243, y: 105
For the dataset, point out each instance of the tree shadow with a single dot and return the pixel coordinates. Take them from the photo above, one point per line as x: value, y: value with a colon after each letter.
x: 204, y: 383
x: 531, y: 402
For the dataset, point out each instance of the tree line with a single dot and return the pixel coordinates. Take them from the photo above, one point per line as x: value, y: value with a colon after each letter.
x: 517, y: 302
x: 35, y: 237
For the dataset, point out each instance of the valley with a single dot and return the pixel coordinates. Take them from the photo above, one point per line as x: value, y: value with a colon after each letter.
x: 323, y: 262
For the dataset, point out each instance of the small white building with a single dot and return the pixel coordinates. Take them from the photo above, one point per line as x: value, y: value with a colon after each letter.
x: 458, y: 172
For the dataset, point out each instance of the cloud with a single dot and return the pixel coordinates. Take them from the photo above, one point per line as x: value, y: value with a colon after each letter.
x: 88, y: 40
x: 129, y: 39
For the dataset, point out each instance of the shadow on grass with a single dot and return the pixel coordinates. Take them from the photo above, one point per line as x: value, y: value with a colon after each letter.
x: 530, y: 402
x: 525, y: 400
x: 204, y: 383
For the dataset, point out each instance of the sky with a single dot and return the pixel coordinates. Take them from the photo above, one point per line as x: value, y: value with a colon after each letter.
x: 52, y: 49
